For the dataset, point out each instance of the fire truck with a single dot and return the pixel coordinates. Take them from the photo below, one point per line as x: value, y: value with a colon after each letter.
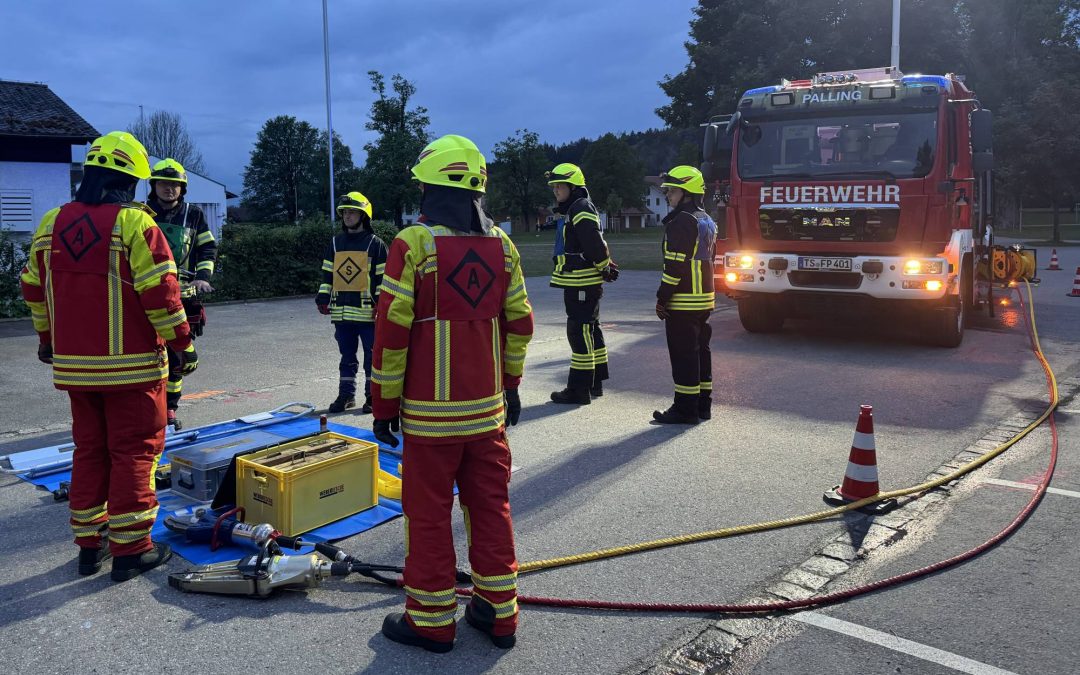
x: 864, y: 192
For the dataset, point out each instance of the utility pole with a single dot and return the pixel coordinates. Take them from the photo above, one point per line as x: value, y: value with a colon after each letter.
x: 142, y: 122
x: 329, y: 121
x: 895, y: 35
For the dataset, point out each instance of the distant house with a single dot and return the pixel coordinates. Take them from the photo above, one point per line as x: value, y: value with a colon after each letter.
x: 37, y: 133
x: 655, y: 200
x: 206, y: 193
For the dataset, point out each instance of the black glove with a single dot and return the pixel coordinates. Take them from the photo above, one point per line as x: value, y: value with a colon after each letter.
x: 661, y: 311
x: 513, y: 406
x: 189, y: 360
x: 383, y: 429
x: 44, y: 352
x: 611, y: 272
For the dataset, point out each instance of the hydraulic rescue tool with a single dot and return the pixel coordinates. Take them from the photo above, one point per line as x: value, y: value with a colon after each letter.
x: 219, y: 527
x: 267, y: 571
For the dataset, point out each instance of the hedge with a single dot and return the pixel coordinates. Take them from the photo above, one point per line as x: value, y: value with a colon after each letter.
x: 12, y: 257
x: 269, y: 260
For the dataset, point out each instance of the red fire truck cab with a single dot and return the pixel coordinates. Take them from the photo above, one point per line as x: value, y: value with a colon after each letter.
x: 857, y: 192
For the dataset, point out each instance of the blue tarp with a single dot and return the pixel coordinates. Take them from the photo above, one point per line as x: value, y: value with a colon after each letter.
x: 201, y: 554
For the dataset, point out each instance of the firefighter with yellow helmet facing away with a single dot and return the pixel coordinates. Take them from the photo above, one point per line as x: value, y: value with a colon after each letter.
x: 582, y: 265
x: 352, y: 270
x: 195, y: 251
x: 102, y: 289
x: 453, y: 324
x: 685, y: 298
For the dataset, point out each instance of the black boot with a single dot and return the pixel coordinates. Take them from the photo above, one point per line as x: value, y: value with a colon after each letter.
x: 341, y: 403
x: 90, y: 559
x: 395, y: 628
x: 481, y: 616
x: 367, y: 405
x: 597, y: 390
x: 704, y: 409
x: 126, y: 567
x: 673, y: 416
x: 572, y: 396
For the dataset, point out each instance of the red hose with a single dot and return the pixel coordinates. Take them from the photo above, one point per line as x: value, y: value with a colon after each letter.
x: 838, y: 596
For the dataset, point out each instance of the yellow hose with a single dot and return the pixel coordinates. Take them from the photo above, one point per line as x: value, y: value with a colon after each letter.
x: 820, y: 515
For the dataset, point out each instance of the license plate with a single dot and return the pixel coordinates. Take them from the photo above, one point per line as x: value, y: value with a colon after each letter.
x: 826, y: 264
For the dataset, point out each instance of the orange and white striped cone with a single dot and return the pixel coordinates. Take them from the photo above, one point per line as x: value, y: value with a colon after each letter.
x: 1075, y: 292
x: 861, y: 477
x: 1054, y: 261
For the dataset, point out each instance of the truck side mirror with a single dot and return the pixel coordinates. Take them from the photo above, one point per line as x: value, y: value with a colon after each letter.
x: 982, y: 131
x: 981, y: 162
x: 708, y: 151
x: 733, y: 123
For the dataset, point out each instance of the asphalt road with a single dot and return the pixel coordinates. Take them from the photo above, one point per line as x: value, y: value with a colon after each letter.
x: 592, y: 477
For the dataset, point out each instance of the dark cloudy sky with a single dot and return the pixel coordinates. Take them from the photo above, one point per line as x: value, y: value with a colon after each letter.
x: 483, y: 68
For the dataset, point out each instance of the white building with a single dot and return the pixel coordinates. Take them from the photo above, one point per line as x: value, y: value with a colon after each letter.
x: 206, y: 193
x: 38, y: 133
x: 655, y: 201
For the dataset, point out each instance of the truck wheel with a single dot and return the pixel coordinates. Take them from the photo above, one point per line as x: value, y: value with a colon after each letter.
x: 945, y: 326
x: 760, y: 315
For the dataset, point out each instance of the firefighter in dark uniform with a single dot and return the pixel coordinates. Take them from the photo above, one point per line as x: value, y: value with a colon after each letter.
x: 194, y: 249
x: 582, y: 265
x: 685, y: 298
x: 352, y: 271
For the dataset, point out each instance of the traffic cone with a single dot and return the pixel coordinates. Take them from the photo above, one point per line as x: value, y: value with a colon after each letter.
x: 1054, y: 261
x: 861, y: 477
x: 1075, y: 292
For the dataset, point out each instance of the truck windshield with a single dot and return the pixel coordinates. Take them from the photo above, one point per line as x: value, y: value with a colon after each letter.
x: 900, y: 145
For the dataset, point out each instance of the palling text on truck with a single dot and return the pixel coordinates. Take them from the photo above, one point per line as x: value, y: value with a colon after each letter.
x: 858, y: 192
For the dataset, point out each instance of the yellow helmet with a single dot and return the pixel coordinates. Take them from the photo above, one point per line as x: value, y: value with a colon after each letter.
x: 119, y: 151
x: 566, y: 173
x: 686, y: 177
x: 453, y: 161
x: 170, y: 170
x: 354, y: 200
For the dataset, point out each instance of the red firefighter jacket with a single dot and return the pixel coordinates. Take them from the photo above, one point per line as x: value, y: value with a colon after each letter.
x: 453, y: 323
x: 101, y: 285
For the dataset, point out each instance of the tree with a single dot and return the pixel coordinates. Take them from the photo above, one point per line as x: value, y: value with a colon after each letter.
x: 613, y: 169
x: 279, y: 176
x: 517, y: 183
x: 613, y: 205
x: 316, y: 197
x: 402, y: 135
x: 164, y: 134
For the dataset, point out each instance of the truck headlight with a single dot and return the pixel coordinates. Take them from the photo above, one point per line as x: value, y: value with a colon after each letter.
x: 916, y: 266
x: 743, y: 262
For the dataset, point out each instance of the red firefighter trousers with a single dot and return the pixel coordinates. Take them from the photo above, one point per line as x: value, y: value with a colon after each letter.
x: 118, y: 436
x: 481, y: 469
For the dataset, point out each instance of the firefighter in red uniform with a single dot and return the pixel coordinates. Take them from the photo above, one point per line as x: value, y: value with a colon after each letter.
x: 102, y: 289
x: 453, y: 323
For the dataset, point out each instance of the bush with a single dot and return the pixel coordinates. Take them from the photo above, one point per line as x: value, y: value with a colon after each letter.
x: 12, y: 258
x: 268, y: 260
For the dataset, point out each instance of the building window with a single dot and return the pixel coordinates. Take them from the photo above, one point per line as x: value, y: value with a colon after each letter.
x: 17, y: 210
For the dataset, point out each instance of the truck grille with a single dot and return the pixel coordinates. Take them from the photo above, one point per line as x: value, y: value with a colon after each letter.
x: 873, y: 225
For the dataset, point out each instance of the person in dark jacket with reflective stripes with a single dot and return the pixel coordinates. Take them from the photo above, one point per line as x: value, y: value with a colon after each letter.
x: 582, y: 265
x: 352, y: 271
x: 195, y: 251
x: 685, y: 298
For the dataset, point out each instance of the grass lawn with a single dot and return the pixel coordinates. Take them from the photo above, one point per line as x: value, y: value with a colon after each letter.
x: 633, y: 250
x: 1041, y: 234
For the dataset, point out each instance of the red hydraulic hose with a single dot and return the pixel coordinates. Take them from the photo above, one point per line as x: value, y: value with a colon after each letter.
x: 839, y: 596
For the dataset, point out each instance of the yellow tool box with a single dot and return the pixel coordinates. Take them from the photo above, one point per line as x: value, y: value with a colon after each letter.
x: 303, y: 484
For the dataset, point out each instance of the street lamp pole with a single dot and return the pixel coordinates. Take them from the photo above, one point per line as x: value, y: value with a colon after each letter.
x: 895, y: 35
x: 329, y: 119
